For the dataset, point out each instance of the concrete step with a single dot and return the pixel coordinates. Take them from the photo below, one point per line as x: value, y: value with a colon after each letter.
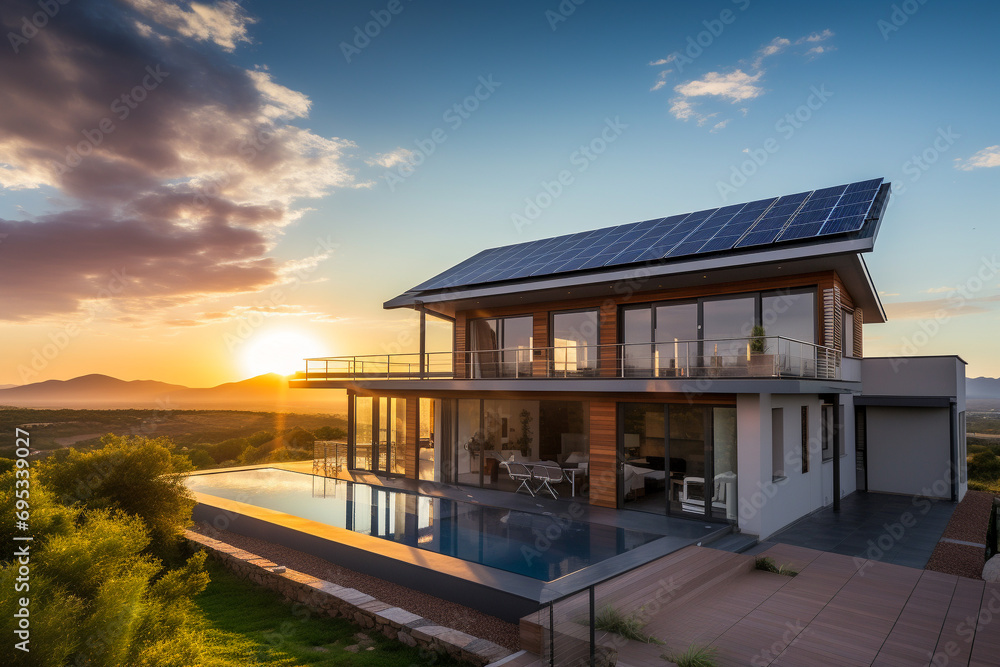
x: 736, y: 543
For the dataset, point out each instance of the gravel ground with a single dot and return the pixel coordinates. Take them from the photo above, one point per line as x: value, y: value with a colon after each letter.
x: 968, y: 524
x: 446, y: 613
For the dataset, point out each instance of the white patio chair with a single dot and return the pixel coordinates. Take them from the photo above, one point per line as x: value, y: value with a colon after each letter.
x: 546, y: 474
x: 520, y: 473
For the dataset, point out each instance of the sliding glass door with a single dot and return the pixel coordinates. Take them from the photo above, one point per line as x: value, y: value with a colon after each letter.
x: 379, y: 435
x: 501, y: 346
x: 678, y: 459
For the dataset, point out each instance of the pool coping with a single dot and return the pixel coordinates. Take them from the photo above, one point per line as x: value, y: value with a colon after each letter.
x: 339, y: 601
x: 504, y: 594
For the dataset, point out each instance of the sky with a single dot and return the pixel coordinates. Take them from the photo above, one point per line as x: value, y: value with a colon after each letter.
x: 197, y: 193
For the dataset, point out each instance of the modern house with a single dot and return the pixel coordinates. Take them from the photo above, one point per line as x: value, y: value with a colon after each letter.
x: 707, y: 365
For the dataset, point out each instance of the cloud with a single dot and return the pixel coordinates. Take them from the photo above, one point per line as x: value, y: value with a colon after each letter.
x: 224, y: 23
x: 941, y: 308
x: 721, y: 125
x: 732, y: 85
x: 391, y: 159
x: 776, y: 46
x: 183, y: 185
x: 682, y: 109
x: 735, y: 86
x: 816, y: 37
x: 704, y: 119
x: 987, y: 157
x: 939, y: 290
x: 819, y: 50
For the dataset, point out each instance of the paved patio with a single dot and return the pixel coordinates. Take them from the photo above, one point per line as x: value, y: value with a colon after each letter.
x: 883, y: 527
x: 838, y: 611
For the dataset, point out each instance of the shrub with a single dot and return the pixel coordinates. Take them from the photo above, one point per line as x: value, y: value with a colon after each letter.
x: 694, y: 656
x: 136, y: 475
x: 330, y: 433
x: 93, y: 596
x: 767, y: 564
x: 984, y: 466
x: 628, y: 626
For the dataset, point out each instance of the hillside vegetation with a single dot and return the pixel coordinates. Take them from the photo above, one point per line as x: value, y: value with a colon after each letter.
x: 207, y: 438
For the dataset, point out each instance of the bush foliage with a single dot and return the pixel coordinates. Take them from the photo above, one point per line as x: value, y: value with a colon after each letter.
x: 132, y: 474
x: 97, y: 595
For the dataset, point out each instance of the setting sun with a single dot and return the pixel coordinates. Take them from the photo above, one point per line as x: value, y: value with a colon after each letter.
x: 279, y: 351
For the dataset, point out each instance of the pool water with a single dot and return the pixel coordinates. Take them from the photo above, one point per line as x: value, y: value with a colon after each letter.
x: 540, y: 546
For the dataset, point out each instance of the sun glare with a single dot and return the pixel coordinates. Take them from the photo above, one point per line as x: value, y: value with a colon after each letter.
x: 279, y: 352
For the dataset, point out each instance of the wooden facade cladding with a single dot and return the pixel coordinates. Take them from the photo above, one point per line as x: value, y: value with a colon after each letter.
x: 608, y: 333
x: 834, y: 300
x: 830, y: 305
x: 603, y: 468
x: 539, y: 338
x: 859, y: 319
x: 412, y: 407
x: 460, y: 327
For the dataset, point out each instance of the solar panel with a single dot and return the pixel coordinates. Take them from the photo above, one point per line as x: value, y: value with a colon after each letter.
x: 828, y: 211
x: 773, y: 221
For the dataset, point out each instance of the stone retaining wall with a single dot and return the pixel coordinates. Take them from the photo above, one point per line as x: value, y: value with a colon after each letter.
x: 329, y: 599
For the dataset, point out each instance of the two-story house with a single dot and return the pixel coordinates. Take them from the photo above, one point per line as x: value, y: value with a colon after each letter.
x: 707, y: 365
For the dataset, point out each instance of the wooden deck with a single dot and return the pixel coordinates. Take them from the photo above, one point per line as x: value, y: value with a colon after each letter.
x: 838, y: 611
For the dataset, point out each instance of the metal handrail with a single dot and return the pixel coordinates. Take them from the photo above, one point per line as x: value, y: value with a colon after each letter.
x: 725, y: 357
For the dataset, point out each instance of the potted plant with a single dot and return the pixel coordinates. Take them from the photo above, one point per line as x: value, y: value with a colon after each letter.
x: 758, y: 362
x: 476, y: 444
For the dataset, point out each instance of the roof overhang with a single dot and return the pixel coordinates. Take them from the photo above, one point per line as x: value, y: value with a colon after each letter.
x: 843, y: 256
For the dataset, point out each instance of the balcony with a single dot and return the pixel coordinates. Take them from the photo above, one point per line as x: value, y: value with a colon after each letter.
x: 761, y: 357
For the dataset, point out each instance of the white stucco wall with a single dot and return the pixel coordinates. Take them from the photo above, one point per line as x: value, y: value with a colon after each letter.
x: 766, y: 505
x: 908, y: 451
x: 913, y: 376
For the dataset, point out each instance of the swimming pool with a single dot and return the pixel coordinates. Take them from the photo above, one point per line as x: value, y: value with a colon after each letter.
x: 541, y: 546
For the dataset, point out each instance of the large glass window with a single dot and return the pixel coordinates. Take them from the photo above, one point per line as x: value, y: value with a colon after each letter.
x: 727, y: 325
x: 789, y: 314
x: 678, y: 458
x: 379, y: 434
x: 724, y: 499
x: 575, y: 339
x: 426, y: 440
x: 491, y: 432
x: 660, y: 341
x: 792, y: 316
x: 848, y: 334
x: 469, y: 442
x: 676, y: 329
x: 637, y: 354
x: 644, y: 449
x: 665, y: 339
x: 363, y: 432
x: 501, y: 347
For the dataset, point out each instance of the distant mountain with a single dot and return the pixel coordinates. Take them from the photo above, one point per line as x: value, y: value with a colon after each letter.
x: 262, y: 393
x: 982, y: 387
x: 7, y: 386
x: 87, y: 390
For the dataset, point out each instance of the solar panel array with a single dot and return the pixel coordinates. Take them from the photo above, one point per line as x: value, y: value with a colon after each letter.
x: 838, y: 210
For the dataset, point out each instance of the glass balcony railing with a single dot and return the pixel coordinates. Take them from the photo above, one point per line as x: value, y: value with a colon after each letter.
x: 757, y: 357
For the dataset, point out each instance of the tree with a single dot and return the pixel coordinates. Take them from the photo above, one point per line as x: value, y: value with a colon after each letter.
x: 92, y: 594
x: 136, y: 475
x: 330, y: 433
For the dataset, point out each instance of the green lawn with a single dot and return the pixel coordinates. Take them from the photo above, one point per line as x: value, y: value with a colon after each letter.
x: 249, y: 625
